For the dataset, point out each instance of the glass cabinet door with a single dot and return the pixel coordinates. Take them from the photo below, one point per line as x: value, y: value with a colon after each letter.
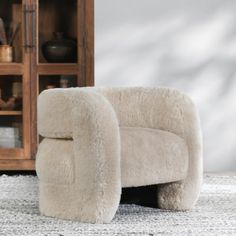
x: 14, y: 81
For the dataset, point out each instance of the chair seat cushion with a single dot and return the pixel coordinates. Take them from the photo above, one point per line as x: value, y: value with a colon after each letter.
x: 151, y: 156
x: 148, y: 156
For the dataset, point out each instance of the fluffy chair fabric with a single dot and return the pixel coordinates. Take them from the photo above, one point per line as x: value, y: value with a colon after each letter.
x: 98, y: 140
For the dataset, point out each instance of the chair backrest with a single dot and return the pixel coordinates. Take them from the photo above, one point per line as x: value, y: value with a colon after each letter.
x: 157, y: 108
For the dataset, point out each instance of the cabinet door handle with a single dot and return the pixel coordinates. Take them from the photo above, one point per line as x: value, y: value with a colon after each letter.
x: 33, y: 41
x: 29, y: 22
x: 26, y: 27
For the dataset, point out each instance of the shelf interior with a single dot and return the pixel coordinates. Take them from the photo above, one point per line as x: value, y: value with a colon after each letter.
x: 11, y: 116
x: 56, y: 16
x: 11, y: 131
x: 11, y: 92
x: 56, y: 81
x: 11, y: 13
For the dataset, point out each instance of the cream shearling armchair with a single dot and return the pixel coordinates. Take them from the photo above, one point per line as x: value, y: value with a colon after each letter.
x: 100, y: 140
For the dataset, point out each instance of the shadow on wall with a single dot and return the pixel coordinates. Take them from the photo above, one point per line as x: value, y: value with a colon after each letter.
x: 190, y: 45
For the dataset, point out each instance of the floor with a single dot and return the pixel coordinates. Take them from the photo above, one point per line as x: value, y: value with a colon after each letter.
x: 214, y: 214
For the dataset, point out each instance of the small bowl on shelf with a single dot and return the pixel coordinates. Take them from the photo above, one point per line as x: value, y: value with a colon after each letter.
x: 60, y: 49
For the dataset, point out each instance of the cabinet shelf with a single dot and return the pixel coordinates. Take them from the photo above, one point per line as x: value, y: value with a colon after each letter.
x: 11, y: 68
x: 14, y: 153
x: 10, y: 113
x: 58, y: 68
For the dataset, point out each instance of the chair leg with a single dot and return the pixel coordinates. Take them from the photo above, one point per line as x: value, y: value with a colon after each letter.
x: 181, y: 195
x: 64, y: 202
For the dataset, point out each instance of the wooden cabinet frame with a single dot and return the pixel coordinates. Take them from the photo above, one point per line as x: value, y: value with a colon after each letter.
x: 31, y: 69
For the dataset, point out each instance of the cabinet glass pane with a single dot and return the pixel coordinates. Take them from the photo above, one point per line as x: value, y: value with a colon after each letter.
x: 11, y: 31
x: 57, y: 31
x: 56, y: 81
x: 11, y: 125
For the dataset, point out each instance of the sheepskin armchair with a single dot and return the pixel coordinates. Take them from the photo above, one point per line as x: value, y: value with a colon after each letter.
x: 98, y: 140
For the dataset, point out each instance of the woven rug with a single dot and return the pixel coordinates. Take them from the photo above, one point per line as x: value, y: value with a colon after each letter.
x: 215, y: 213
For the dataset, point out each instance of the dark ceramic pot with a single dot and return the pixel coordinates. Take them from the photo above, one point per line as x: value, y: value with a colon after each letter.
x: 60, y: 49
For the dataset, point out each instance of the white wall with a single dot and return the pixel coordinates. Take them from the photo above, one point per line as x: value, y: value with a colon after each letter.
x: 187, y: 44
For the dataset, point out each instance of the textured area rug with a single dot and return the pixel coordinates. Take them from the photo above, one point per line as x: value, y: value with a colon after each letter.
x: 215, y: 213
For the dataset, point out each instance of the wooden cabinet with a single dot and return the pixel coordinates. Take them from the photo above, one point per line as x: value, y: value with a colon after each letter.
x: 31, y: 70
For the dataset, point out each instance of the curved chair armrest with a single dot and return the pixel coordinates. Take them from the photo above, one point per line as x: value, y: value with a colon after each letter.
x: 170, y: 110
x: 97, y: 148
x: 93, y: 126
